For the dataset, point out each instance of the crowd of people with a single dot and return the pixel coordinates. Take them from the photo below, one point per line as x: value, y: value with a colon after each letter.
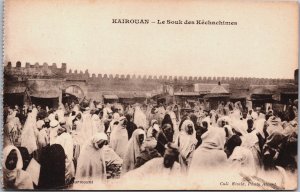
x: 78, y: 145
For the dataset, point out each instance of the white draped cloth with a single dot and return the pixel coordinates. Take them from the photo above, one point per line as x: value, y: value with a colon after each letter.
x: 211, y: 152
x: 133, y: 150
x: 28, y: 136
x: 152, y: 171
x: 66, y: 141
x: 21, y: 179
x: 140, y: 118
x: 87, y: 125
x: 11, y: 129
x: 185, y: 142
x: 78, y: 134
x: 92, y: 160
x: 97, y: 126
x: 242, y: 160
x: 119, y: 140
x: 61, y: 115
x: 53, y: 134
x: 43, y: 138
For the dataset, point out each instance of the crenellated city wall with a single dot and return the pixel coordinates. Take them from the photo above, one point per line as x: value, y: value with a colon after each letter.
x: 99, y: 83
x: 48, y: 70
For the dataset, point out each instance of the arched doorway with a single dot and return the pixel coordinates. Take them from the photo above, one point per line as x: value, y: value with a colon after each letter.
x: 72, y: 94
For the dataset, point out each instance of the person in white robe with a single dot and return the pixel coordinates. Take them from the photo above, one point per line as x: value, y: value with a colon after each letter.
x: 69, y: 121
x: 60, y: 112
x: 139, y: 118
x: 94, y: 158
x: 8, y: 132
x: 14, y: 178
x: 186, y: 143
x: 11, y: 114
x: 28, y: 136
x: 98, y: 126
x: 54, y: 124
x: 154, y: 125
x: 87, y: 125
x: 119, y: 137
x: 210, y: 154
x: 250, y: 140
x: 174, y: 121
x: 157, y: 173
x: 113, y: 123
x: 160, y: 114
x: 242, y: 160
x: 259, y: 124
x: 65, y: 140
x: 12, y: 128
x: 51, y: 116
x: 43, y: 137
x: 12, y: 118
x: 237, y: 124
x: 133, y: 149
x: 274, y: 125
x: 106, y: 111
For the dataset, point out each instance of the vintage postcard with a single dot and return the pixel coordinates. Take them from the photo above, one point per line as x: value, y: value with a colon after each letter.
x: 150, y: 95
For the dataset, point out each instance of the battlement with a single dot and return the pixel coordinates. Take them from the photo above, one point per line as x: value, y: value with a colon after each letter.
x: 36, y: 70
x: 48, y: 70
x: 36, y: 66
x: 173, y: 79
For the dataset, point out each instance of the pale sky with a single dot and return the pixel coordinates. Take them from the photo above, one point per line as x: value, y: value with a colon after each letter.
x: 81, y: 34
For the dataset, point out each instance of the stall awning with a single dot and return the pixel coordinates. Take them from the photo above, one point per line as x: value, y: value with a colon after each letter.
x: 125, y: 96
x: 218, y: 91
x: 216, y: 95
x: 132, y: 95
x: 160, y: 96
x: 14, y: 89
x: 139, y: 94
x: 44, y: 88
x: 205, y: 88
x: 187, y: 94
x: 239, y: 94
x: 261, y: 97
x: 263, y: 89
x: 110, y: 97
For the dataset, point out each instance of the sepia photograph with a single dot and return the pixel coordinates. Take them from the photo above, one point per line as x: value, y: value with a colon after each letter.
x: 150, y: 95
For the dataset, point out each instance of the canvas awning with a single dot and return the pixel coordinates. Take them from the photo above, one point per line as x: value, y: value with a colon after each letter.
x: 139, y: 94
x: 44, y: 88
x: 263, y: 89
x: 204, y: 88
x: 115, y: 97
x: 14, y: 88
x: 216, y: 95
x: 125, y: 96
x: 239, y: 94
x: 262, y: 97
x: 160, y: 96
x: 187, y: 94
x: 131, y: 95
x: 217, y: 92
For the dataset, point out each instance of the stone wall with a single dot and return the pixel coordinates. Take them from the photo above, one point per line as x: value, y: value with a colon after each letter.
x: 97, y: 84
x: 42, y: 71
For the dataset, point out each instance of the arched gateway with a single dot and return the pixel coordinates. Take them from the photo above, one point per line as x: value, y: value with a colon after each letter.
x: 72, y: 93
